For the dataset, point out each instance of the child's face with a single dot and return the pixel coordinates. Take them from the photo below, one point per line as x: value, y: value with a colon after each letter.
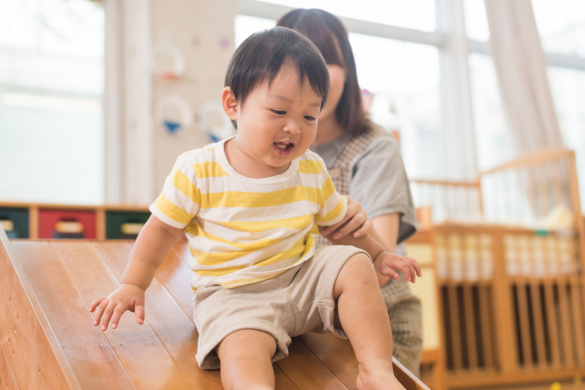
x: 276, y: 124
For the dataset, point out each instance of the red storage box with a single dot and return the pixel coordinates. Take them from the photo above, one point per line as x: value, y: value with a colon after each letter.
x: 63, y: 223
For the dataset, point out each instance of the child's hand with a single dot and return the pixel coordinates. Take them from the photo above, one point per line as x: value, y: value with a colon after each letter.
x: 387, y: 264
x: 126, y: 297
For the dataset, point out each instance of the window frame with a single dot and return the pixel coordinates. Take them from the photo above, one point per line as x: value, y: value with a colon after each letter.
x: 454, y: 49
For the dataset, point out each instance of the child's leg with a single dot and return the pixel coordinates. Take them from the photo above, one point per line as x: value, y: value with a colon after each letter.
x: 363, y: 315
x: 245, y: 357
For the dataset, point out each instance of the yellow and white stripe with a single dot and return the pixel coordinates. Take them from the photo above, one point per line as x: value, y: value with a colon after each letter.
x: 243, y: 230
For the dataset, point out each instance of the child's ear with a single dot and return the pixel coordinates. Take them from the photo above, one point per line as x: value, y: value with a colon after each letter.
x: 229, y: 103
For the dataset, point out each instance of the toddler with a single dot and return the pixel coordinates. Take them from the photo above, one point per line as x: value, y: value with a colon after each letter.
x: 251, y: 207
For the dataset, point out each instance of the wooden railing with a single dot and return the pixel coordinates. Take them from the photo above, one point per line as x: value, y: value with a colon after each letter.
x: 510, y: 256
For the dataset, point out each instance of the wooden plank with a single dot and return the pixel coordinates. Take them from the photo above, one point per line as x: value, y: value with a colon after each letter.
x: 141, y: 353
x: 338, y: 357
x: 486, y: 325
x: 452, y: 296
x: 306, y: 371
x: 282, y: 382
x: 507, y: 353
x: 551, y: 317
x: 336, y: 354
x: 524, y: 324
x: 564, y: 316
x: 172, y: 325
x: 577, y: 314
x: 6, y: 378
x: 32, y: 351
x: 466, y: 247
x: 538, y: 320
x: 88, y: 352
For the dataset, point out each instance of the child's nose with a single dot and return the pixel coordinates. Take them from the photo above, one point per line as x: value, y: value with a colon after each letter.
x: 292, y: 127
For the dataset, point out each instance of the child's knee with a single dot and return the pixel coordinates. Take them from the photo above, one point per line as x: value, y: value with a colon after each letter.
x: 245, y: 343
x: 357, y: 270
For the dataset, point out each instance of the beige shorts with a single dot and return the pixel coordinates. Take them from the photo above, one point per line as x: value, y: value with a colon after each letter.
x: 293, y: 303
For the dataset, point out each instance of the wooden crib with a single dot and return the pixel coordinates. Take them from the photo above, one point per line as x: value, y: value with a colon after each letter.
x: 509, y: 249
x: 48, y: 342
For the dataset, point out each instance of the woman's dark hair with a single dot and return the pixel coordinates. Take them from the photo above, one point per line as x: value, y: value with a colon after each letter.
x: 327, y: 32
x: 260, y: 57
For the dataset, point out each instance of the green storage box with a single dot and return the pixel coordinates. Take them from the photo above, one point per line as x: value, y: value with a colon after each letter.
x: 14, y: 221
x: 124, y: 224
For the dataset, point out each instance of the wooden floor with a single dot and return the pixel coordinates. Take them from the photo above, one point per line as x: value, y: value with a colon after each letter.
x: 61, y: 279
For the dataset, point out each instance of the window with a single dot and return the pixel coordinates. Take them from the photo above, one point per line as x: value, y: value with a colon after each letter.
x: 406, y: 98
x: 404, y: 68
x: 414, y: 14
x: 51, y: 90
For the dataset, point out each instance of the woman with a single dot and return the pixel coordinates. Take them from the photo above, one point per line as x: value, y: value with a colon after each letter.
x: 364, y: 163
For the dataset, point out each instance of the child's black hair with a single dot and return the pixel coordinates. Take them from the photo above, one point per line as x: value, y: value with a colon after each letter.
x: 260, y: 57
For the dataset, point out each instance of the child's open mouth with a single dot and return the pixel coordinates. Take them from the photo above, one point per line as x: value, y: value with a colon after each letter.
x: 283, y: 148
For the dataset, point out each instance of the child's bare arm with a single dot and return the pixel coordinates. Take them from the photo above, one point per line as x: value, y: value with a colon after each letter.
x: 152, y: 246
x: 385, y: 263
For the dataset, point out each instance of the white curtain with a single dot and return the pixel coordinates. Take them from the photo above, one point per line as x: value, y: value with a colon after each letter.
x: 521, y: 68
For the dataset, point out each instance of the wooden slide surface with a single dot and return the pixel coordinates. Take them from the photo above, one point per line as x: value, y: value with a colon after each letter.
x: 48, y: 341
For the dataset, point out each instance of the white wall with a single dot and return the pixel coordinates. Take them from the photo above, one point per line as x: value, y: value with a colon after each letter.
x: 204, y: 31
x: 140, y: 152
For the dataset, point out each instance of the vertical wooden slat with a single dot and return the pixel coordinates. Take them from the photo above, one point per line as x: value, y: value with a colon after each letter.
x: 470, y: 327
x: 565, y: 322
x: 486, y: 328
x: 523, y: 318
x: 100, y: 221
x: 33, y: 221
x: 552, y: 316
x: 561, y: 280
x: 507, y: 354
x: 577, y: 311
x: 538, y: 253
x: 453, y: 305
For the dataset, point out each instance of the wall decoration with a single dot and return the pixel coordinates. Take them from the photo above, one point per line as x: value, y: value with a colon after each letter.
x: 214, y: 122
x: 173, y: 114
x: 168, y: 62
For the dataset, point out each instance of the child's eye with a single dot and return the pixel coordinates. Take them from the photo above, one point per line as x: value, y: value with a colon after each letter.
x: 278, y: 112
x: 309, y: 118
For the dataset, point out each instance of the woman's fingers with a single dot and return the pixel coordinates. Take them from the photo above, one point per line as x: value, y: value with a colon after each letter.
x: 364, y: 229
x: 353, y: 224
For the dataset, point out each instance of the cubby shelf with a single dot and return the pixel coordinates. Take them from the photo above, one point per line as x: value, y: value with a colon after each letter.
x: 47, y: 221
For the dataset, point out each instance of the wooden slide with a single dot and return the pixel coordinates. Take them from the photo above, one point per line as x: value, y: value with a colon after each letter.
x: 48, y: 341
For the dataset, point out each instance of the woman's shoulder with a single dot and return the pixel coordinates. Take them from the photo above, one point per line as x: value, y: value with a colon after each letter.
x: 377, y: 139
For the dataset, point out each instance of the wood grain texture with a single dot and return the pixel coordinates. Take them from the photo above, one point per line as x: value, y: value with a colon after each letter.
x: 6, y: 378
x: 32, y: 352
x: 64, y: 276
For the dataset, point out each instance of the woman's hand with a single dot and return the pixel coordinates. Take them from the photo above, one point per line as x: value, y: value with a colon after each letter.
x: 126, y: 297
x: 356, y: 220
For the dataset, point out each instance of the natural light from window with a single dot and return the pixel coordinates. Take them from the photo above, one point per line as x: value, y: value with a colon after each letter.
x: 51, y: 92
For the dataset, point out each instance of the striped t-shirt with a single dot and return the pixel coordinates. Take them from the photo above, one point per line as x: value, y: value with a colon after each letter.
x: 243, y: 230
